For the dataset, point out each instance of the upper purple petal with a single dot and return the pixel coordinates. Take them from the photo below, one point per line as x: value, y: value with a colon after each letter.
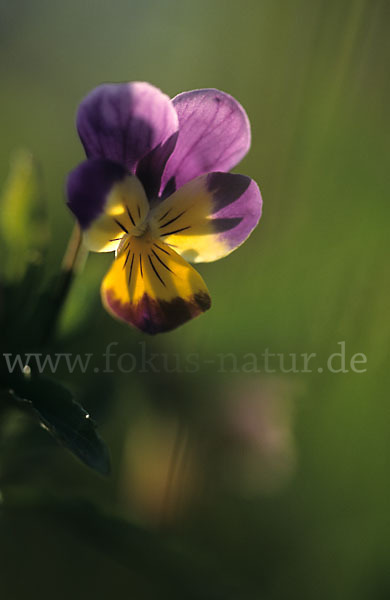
x: 214, y: 135
x: 123, y: 122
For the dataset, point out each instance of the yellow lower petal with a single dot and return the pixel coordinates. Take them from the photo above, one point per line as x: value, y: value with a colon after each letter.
x: 153, y: 288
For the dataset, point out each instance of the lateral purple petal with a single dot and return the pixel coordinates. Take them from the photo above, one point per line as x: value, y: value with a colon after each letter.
x: 123, y: 122
x: 214, y: 135
x: 88, y: 186
x: 209, y: 216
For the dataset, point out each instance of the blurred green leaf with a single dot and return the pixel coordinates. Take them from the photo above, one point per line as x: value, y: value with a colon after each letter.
x: 19, y: 302
x: 23, y: 225
x: 65, y: 419
x: 32, y: 324
x: 41, y: 317
x: 83, y: 299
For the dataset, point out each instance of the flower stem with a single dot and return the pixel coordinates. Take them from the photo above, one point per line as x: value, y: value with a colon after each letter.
x: 74, y: 258
x: 70, y: 260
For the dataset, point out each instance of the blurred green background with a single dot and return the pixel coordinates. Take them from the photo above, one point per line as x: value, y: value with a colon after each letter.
x: 284, y: 491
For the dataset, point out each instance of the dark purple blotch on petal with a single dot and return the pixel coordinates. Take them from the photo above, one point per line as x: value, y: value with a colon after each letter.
x: 221, y: 225
x: 151, y: 167
x: 236, y: 206
x: 226, y: 188
x: 169, y: 189
x: 88, y: 186
x: 159, y: 316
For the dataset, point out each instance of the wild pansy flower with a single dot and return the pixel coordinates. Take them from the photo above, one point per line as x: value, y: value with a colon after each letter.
x: 155, y: 190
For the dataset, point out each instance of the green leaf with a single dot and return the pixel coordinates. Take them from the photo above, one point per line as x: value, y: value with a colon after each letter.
x: 66, y: 420
x: 23, y: 224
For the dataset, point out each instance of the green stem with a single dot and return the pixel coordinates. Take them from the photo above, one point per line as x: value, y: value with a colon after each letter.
x: 72, y: 262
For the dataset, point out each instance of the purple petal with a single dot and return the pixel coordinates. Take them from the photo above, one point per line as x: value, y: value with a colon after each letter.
x: 88, y: 186
x: 123, y: 122
x: 214, y: 135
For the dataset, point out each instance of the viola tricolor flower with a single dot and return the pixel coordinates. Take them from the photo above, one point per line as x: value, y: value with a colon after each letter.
x: 155, y: 190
